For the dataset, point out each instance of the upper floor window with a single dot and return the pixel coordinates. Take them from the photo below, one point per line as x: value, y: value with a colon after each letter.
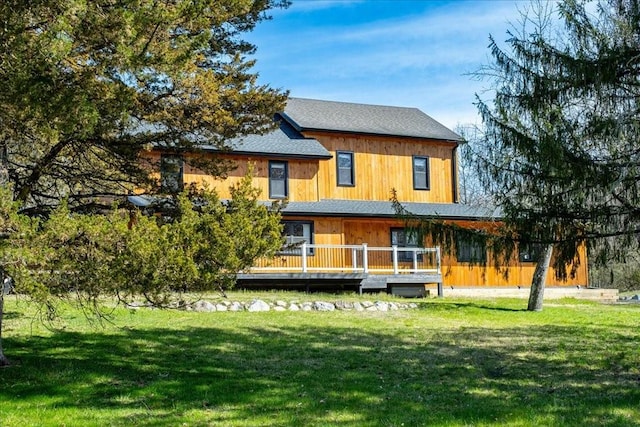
x: 470, y: 251
x: 171, y: 173
x: 345, y: 168
x: 278, y: 176
x: 420, y: 173
x: 405, y: 238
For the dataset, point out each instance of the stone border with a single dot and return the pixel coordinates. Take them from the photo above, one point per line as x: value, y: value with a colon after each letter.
x: 550, y: 292
x: 258, y: 305
x: 631, y: 299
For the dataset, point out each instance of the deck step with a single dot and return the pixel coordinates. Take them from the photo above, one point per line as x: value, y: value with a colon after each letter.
x: 415, y: 278
x: 374, y: 282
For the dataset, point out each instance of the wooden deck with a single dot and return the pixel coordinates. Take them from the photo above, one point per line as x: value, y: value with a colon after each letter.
x: 393, y: 269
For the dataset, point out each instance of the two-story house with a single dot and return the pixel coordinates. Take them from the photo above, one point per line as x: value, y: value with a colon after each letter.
x: 336, y: 164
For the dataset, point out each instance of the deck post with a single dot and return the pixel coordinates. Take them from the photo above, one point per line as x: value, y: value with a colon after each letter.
x: 365, y: 258
x: 415, y: 260
x: 354, y: 258
x: 438, y: 266
x: 394, y: 250
x: 304, y: 257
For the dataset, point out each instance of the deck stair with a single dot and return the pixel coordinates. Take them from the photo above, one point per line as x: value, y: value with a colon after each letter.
x: 402, y: 284
x: 374, y: 282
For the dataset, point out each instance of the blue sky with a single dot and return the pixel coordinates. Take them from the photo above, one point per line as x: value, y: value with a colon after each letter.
x: 412, y: 53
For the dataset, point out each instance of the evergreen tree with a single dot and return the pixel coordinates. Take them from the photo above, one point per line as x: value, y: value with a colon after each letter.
x: 558, y: 151
x: 86, y: 257
x: 88, y: 85
x: 16, y: 233
x: 87, y: 88
x: 561, y: 134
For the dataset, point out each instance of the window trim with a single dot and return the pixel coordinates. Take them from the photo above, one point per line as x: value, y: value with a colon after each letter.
x: 352, y: 171
x: 470, y: 245
x: 297, y: 252
x: 426, y: 173
x: 179, y: 175
x: 286, y: 179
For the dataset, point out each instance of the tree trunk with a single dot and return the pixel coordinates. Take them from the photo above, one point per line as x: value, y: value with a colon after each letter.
x: 4, y: 179
x: 3, y: 359
x: 539, y: 277
x: 4, y: 170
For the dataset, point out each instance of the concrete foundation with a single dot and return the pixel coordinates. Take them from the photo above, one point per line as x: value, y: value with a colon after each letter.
x: 595, y: 294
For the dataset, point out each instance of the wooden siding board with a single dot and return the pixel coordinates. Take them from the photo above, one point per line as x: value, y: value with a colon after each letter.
x: 383, y: 164
x: 377, y: 233
x: 302, y: 176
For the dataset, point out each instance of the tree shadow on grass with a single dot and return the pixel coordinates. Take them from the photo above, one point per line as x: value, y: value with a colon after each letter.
x: 12, y: 315
x: 481, y: 305
x: 270, y: 373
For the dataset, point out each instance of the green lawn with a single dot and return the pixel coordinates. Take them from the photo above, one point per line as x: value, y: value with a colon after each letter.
x: 451, y: 362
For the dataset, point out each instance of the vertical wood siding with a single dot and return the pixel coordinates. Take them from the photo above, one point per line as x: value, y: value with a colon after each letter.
x: 302, y: 183
x: 378, y: 233
x: 382, y: 164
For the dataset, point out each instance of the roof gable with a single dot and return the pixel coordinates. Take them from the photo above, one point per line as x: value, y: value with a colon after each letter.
x: 311, y: 114
x: 285, y: 141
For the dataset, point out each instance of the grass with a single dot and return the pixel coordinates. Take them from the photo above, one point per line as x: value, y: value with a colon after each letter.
x: 449, y: 363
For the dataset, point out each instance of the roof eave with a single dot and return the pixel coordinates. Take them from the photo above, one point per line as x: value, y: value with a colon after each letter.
x: 385, y: 215
x: 278, y: 155
x: 387, y: 135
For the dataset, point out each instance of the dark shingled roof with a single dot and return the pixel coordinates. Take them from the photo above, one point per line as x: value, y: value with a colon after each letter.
x: 312, y: 114
x: 283, y: 142
x: 364, y: 209
x: 371, y: 208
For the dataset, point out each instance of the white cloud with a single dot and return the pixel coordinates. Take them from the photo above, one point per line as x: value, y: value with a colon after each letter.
x: 451, y: 36
x: 415, y: 60
x: 460, y: 22
x: 314, y: 5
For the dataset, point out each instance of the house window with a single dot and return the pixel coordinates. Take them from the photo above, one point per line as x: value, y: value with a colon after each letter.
x: 420, y: 173
x: 295, y: 234
x: 529, y: 252
x: 405, y: 238
x: 469, y: 251
x: 278, y: 175
x: 171, y: 170
x: 345, y: 168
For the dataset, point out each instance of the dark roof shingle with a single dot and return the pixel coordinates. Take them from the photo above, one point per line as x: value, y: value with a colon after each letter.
x: 365, y: 209
x: 284, y: 141
x: 313, y: 114
x: 372, y: 208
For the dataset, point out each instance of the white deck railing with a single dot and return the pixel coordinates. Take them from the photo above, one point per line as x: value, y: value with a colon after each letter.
x: 308, y: 258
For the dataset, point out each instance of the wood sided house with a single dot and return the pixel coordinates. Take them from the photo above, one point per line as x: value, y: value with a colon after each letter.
x: 336, y: 164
